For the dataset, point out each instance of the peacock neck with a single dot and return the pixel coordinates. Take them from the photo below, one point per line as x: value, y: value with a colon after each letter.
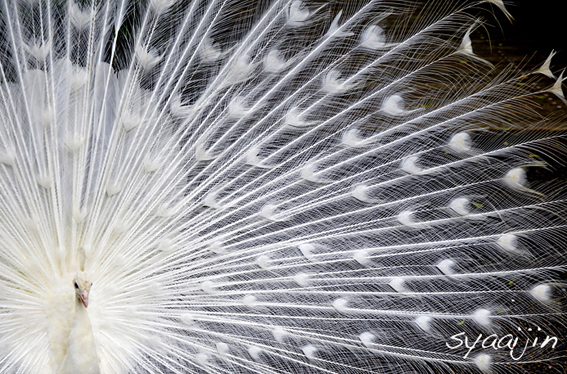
x: 81, y: 354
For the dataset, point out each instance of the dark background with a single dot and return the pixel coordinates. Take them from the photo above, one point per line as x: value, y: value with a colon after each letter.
x: 539, y: 27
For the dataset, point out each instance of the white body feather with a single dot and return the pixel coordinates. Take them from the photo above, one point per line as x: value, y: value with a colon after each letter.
x: 277, y: 187
x: 60, y: 313
x: 80, y: 356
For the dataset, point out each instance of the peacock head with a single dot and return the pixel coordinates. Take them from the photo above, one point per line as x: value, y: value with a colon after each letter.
x: 83, y: 287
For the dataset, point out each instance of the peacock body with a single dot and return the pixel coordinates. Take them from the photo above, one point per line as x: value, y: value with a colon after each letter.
x: 272, y: 187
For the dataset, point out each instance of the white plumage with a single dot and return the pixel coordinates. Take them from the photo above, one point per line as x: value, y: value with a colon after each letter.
x: 271, y: 187
x: 80, y: 352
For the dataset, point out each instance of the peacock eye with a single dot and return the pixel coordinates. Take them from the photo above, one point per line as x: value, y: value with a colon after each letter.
x: 91, y: 284
x: 76, y: 285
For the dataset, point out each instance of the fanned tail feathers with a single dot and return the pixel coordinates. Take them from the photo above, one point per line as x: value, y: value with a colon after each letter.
x: 275, y: 187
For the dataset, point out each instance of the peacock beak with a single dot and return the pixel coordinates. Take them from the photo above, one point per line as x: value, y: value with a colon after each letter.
x: 85, y: 298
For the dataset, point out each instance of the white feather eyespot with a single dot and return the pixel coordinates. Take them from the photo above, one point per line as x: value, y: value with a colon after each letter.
x: 541, y: 292
x: 373, y: 37
x: 516, y: 178
x: 461, y: 142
